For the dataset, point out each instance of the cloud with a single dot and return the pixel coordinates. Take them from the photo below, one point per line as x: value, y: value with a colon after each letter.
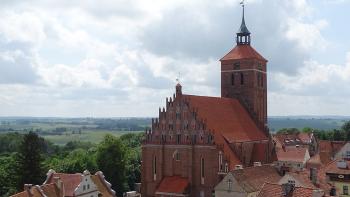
x: 80, y: 58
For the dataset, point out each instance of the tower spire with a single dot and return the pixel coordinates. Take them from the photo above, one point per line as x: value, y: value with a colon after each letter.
x: 243, y: 34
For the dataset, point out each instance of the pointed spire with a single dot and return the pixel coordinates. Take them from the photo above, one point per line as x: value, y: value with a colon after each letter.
x: 243, y: 34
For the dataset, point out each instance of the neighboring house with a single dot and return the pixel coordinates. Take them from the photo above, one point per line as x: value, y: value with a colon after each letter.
x: 288, y: 190
x: 305, y: 140
x: 338, y: 174
x: 292, y: 158
x: 344, y: 152
x: 247, y: 181
x: 197, y: 140
x: 70, y: 185
x: 329, y: 149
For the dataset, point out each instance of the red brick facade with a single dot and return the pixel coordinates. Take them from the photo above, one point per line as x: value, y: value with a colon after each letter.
x: 196, y: 140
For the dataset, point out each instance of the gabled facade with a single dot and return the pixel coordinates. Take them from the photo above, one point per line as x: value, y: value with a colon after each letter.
x: 197, y: 140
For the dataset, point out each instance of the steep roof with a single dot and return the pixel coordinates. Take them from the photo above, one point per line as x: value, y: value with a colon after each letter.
x: 328, y: 149
x: 275, y: 190
x: 243, y: 52
x: 70, y: 181
x: 228, y: 117
x: 173, y: 185
x: 291, y: 154
x: 332, y: 168
x: 251, y: 179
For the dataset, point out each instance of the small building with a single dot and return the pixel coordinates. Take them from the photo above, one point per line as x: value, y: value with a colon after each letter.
x: 246, y: 181
x: 70, y: 185
x: 329, y: 149
x: 305, y: 140
x: 338, y: 174
x: 291, y: 159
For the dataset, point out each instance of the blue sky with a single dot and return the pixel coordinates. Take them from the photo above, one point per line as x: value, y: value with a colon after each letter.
x: 121, y: 58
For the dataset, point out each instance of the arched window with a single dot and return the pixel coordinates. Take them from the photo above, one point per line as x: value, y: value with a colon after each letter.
x: 202, y: 170
x: 154, y: 167
x: 177, y: 156
x: 220, y: 162
x: 178, y: 138
x: 226, y: 167
x: 242, y: 79
x: 233, y: 79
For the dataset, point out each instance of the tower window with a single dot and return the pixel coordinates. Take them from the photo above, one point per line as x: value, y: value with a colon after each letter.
x: 242, y: 79
x: 177, y: 156
x: 178, y: 138
x: 220, y: 161
x: 154, y: 168
x: 202, y: 167
x: 233, y: 79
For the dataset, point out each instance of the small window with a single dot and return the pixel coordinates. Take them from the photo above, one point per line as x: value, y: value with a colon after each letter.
x: 345, y: 190
x: 242, y: 79
x: 236, y: 66
x: 88, y: 186
x: 177, y: 156
x: 84, y: 187
x: 226, y: 167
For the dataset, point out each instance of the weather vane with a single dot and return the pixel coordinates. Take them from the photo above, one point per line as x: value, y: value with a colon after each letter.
x: 178, y: 77
x: 242, y: 3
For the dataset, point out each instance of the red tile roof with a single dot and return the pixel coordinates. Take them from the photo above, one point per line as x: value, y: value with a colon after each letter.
x: 305, y: 137
x: 173, y: 184
x: 242, y: 52
x: 70, y: 181
x: 314, y: 162
x: 275, y: 190
x: 251, y: 179
x: 291, y: 154
x: 328, y: 149
x: 227, y: 116
x: 228, y: 120
x: 332, y: 168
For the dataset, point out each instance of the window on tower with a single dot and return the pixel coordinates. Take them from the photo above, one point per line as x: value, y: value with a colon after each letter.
x: 242, y: 79
x: 233, y: 79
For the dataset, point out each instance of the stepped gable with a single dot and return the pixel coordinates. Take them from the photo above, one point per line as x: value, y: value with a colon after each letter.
x: 227, y: 117
x: 243, y: 52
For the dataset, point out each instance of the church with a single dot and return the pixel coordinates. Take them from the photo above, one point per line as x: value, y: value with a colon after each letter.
x: 197, y: 140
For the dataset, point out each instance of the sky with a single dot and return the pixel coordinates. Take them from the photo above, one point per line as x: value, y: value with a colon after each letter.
x: 121, y: 58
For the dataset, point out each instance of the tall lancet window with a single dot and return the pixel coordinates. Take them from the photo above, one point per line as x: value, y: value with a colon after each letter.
x: 220, y: 162
x: 233, y: 79
x: 154, y: 166
x: 242, y: 79
x: 202, y: 170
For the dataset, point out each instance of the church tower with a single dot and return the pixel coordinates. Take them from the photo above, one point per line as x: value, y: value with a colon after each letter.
x: 243, y: 76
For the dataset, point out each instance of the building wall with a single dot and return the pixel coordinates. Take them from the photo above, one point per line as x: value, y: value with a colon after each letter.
x: 87, y: 187
x: 222, y: 188
x: 339, y: 187
x: 251, y: 93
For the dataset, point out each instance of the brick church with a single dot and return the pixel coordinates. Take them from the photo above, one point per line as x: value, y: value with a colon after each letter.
x: 196, y: 140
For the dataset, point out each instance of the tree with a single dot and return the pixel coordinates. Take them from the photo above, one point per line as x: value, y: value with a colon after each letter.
x: 346, y: 129
x: 338, y: 135
x: 111, y: 160
x: 29, y: 161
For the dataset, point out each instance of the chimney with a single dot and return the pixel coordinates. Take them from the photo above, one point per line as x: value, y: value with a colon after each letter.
x: 287, y: 188
x: 257, y: 163
x: 313, y: 175
x: 317, y: 193
x: 59, y: 185
x: 238, y: 167
x: 27, y: 188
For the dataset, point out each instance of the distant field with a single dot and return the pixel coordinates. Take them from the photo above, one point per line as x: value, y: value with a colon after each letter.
x: 62, y: 130
x: 87, y: 136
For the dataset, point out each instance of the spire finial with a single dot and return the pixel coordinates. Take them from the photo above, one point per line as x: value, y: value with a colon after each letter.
x: 178, y: 78
x: 243, y: 35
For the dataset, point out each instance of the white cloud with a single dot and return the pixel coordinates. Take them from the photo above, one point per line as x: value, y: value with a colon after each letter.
x: 82, y: 58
